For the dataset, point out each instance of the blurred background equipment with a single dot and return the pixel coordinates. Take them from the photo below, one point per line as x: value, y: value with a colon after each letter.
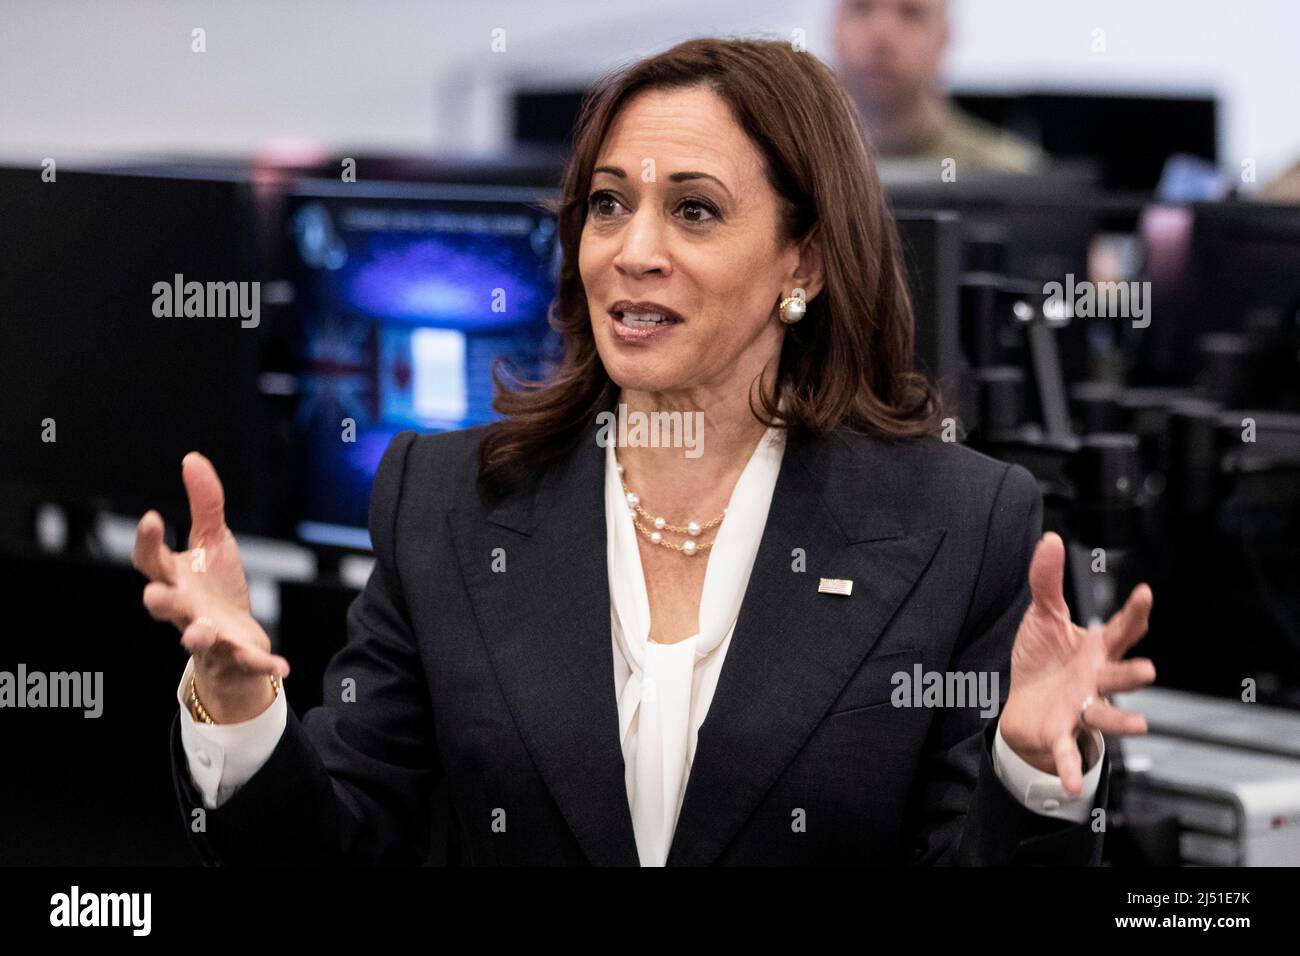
x: 1226, y: 774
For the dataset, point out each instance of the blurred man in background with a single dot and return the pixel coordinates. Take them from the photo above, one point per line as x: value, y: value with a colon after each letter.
x: 888, y: 56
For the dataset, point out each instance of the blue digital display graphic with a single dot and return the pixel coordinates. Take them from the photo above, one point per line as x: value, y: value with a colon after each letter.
x: 403, y: 303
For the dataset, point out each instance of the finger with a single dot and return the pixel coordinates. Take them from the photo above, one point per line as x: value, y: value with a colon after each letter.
x: 204, y: 634
x: 1047, y: 574
x: 165, y: 603
x: 257, y: 661
x: 1110, y: 719
x: 200, y: 635
x: 150, y: 554
x: 281, y: 665
x: 1127, y: 625
x: 1069, y: 765
x: 1119, y: 677
x: 207, y: 498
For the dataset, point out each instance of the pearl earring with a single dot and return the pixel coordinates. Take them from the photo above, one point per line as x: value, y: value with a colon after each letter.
x: 793, y: 308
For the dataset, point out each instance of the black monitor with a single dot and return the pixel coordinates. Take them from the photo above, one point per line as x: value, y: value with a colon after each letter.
x: 1246, y: 258
x: 404, y: 295
x: 1228, y: 267
x: 545, y: 117
x: 1129, y: 136
x: 1030, y: 226
x: 128, y: 389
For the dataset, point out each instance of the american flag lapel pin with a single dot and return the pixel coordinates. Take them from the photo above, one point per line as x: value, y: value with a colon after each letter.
x: 835, y: 586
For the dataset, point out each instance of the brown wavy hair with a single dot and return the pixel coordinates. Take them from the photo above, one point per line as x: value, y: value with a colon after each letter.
x: 849, y: 362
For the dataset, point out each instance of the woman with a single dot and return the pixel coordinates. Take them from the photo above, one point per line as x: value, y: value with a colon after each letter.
x: 695, y: 655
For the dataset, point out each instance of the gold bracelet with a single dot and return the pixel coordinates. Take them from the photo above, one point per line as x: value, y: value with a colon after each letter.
x: 201, y: 713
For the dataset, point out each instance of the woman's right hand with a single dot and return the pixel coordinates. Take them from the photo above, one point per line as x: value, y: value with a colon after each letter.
x: 204, y: 593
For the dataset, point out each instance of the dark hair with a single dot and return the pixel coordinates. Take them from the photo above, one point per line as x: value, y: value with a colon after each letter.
x: 848, y: 362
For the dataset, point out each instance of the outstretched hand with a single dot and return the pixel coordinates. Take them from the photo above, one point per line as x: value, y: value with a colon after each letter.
x: 204, y: 593
x: 1057, y: 667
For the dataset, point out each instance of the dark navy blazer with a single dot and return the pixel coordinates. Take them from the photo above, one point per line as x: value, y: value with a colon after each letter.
x: 500, y: 684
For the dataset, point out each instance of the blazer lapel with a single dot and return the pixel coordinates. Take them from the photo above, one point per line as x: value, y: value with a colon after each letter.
x: 794, y: 649
x: 545, y: 621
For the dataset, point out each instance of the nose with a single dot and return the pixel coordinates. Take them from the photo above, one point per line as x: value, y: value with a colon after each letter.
x: 885, y: 27
x: 642, y: 250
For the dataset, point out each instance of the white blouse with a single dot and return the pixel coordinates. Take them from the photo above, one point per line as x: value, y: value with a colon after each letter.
x: 664, y: 690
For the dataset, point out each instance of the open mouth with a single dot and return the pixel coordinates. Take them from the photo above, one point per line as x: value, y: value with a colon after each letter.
x: 644, y: 320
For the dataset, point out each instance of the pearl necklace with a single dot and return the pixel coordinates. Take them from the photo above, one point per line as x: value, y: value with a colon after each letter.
x: 692, y: 528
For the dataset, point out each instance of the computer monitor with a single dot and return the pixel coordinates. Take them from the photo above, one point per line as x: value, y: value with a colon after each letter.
x: 1027, y: 226
x: 1225, y: 267
x: 546, y: 117
x: 405, y: 296
x: 1128, y: 135
x: 127, y: 391
x: 1246, y: 257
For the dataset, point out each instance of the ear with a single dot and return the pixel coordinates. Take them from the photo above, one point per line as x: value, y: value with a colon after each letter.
x: 809, y: 274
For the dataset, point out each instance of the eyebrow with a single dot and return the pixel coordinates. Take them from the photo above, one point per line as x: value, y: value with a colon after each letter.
x: 675, y: 177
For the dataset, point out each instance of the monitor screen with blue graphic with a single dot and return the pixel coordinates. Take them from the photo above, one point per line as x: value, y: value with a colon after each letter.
x: 405, y: 294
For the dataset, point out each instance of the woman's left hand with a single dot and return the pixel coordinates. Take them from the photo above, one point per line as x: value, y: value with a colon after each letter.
x: 1056, y: 666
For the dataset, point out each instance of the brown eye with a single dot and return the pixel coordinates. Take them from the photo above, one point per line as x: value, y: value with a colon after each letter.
x: 707, y: 209
x: 597, y: 204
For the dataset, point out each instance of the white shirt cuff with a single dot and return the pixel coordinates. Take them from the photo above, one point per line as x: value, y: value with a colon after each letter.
x: 223, y: 757
x: 1043, y: 792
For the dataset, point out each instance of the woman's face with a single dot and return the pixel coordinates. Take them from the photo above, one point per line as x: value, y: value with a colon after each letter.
x: 681, y: 219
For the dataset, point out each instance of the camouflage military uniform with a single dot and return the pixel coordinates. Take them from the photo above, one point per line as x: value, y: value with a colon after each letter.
x: 1285, y: 189
x: 975, y: 144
